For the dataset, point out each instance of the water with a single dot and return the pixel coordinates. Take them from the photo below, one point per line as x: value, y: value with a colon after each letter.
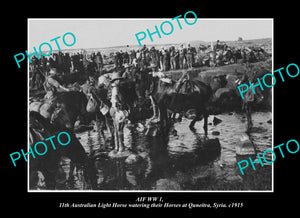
x: 184, y: 162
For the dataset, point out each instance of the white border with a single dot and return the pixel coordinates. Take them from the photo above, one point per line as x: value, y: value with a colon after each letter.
x: 146, y: 191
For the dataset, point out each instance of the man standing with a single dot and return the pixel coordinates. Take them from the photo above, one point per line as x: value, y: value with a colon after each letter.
x: 99, y: 61
x: 127, y: 75
x: 182, y: 56
x: 118, y: 115
x: 166, y: 60
x: 190, y: 56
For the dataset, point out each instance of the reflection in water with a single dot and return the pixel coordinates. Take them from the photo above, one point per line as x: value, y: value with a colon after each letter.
x: 187, y: 158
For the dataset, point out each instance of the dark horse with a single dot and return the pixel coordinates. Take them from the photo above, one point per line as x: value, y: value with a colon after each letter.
x: 40, y: 129
x: 69, y: 106
x: 181, y: 96
x: 38, y: 78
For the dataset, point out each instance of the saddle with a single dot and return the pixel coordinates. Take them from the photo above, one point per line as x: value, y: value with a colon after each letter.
x: 188, y: 87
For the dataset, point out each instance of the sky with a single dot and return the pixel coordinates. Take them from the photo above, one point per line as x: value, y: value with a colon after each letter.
x: 98, y: 33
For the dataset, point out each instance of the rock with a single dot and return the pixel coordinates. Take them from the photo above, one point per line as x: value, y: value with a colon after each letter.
x: 244, y: 146
x: 133, y: 158
x: 215, y: 133
x: 167, y: 184
x: 216, y: 121
x: 269, y: 121
x: 201, y: 172
x: 234, y: 178
x: 117, y: 154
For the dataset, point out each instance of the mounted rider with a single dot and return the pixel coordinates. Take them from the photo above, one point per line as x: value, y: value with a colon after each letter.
x: 53, y: 85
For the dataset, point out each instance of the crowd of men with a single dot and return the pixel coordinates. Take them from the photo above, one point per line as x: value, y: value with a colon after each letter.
x: 163, y: 59
x: 66, y: 63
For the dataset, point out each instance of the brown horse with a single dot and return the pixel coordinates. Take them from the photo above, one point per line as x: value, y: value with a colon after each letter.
x: 64, y: 110
x: 181, y: 96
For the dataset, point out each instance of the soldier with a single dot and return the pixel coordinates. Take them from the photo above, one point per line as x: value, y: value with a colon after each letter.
x: 190, y: 56
x: 127, y: 75
x: 182, y: 56
x: 53, y: 85
x: 166, y: 60
x: 172, y: 58
x: 126, y: 58
x: 161, y: 53
x: 117, y: 59
x: 60, y: 62
x: 91, y: 68
x: 99, y: 61
x: 217, y: 45
x: 132, y: 56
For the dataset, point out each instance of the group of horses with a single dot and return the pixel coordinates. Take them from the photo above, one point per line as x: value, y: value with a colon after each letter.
x: 91, y: 102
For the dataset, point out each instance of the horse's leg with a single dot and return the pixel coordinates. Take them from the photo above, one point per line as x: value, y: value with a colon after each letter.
x: 116, y: 139
x: 173, y: 116
x: 164, y: 119
x: 70, y: 180
x: 121, y: 136
x: 205, y: 115
x: 249, y: 118
x: 100, y: 124
x: 197, y: 118
x: 109, y: 126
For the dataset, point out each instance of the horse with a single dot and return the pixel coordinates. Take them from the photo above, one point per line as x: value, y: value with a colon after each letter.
x: 75, y: 77
x: 181, y: 96
x: 64, y: 110
x: 38, y: 78
x: 99, y: 101
x: 69, y: 107
x: 47, y: 165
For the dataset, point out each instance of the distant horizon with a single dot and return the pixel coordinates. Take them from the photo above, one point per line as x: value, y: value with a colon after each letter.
x: 111, y: 47
x: 180, y: 43
x: 106, y: 33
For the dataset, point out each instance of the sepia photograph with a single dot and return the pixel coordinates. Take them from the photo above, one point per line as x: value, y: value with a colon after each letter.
x: 150, y: 105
